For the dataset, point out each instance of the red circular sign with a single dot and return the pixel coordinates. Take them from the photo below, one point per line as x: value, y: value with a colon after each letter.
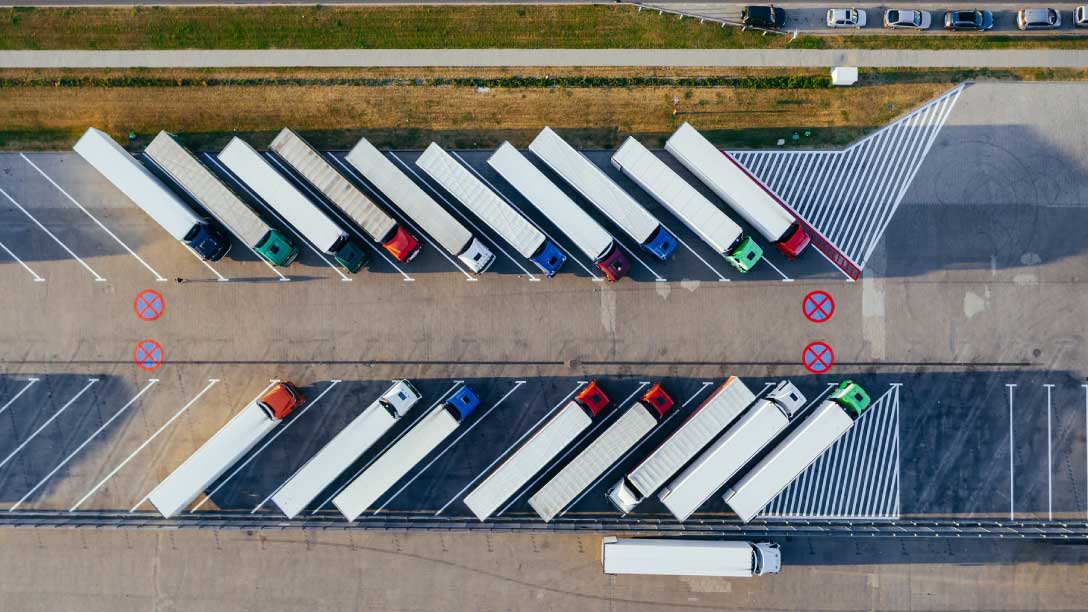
x: 149, y: 305
x: 817, y: 357
x: 148, y: 354
x: 818, y: 306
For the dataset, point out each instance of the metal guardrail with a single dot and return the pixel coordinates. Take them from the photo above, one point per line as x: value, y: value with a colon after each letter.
x: 704, y: 18
x: 929, y: 528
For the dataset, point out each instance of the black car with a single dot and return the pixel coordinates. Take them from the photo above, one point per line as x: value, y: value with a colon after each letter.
x: 968, y: 21
x: 770, y: 17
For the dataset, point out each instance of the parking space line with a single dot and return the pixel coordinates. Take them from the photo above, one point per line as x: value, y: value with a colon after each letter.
x: 211, y: 383
x: 37, y: 278
x: 335, y: 211
x: 517, y: 385
x: 158, y: 277
x: 721, y: 278
x: 30, y: 383
x: 150, y: 383
x: 1012, y: 469
x: 571, y: 445
x: 418, y: 418
x: 218, y: 277
x: 90, y: 383
x: 1086, y: 446
x: 1049, y: 458
x: 400, y: 215
x: 271, y: 211
x: 279, y: 432
x: 487, y: 469
x: 634, y: 448
x: 437, y: 192
x: 785, y: 278
x: 515, y: 207
x: 97, y: 277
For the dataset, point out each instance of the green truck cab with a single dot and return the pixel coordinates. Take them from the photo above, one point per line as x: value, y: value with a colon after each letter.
x: 351, y: 255
x: 852, y: 397
x: 277, y: 249
x: 745, y: 255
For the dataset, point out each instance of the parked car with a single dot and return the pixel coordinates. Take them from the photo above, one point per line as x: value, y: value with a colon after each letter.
x: 1080, y: 16
x: 763, y: 16
x: 908, y: 20
x: 846, y: 18
x: 1038, y: 19
x: 968, y: 21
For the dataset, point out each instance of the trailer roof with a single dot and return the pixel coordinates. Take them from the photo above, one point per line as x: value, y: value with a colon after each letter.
x: 677, y: 557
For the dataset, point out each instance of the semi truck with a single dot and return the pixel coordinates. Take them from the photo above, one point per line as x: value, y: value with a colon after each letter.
x: 345, y: 448
x: 439, y: 224
x: 816, y: 433
x: 207, y: 190
x: 247, y: 164
x: 533, y: 456
x: 602, y: 453
x: 662, y: 557
x: 724, y: 458
x: 224, y: 449
x: 310, y: 165
x: 681, y: 199
x: 413, y: 447
x: 588, y: 235
x: 595, y: 186
x: 739, y: 189
x: 491, y: 209
x: 147, y: 192
x: 707, y: 421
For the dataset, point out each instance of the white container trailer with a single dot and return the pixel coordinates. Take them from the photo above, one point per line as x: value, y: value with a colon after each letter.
x: 224, y: 449
x: 413, y: 447
x: 690, y: 557
x: 272, y: 187
x: 707, y: 421
x: 184, y: 169
x: 309, y: 164
x: 739, y: 189
x: 147, y: 192
x: 439, y: 224
x: 588, y: 235
x: 345, y: 448
x: 833, y: 418
x: 691, y: 207
x: 601, y: 454
x: 767, y: 418
x: 595, y: 186
x: 533, y: 456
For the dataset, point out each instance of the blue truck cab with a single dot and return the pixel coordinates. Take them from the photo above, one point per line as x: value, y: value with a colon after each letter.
x: 549, y: 258
x: 463, y: 402
x: 661, y: 244
x: 209, y: 241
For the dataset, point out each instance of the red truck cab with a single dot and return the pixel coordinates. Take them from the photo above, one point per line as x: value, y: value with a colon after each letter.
x: 403, y: 245
x: 657, y: 399
x: 795, y: 241
x: 592, y: 398
x: 281, y: 400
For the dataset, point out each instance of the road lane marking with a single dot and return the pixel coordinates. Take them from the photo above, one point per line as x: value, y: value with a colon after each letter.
x: 1049, y: 458
x: 97, y: 277
x: 90, y: 383
x: 1012, y: 469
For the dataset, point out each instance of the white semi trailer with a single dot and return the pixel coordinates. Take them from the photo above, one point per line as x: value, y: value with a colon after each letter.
x: 681, y: 199
x: 724, y: 458
x: 347, y: 198
x: 708, y: 420
x: 312, y: 222
x: 588, y: 235
x: 491, y: 209
x: 439, y: 224
x: 690, y: 557
x: 739, y: 189
x: 831, y: 419
x: 595, y: 186
x: 184, y: 169
x: 345, y: 448
x: 395, y: 463
x: 147, y: 192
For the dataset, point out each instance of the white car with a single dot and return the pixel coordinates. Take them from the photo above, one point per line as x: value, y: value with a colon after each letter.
x: 1080, y: 16
x: 846, y: 18
x: 1038, y: 19
x: 907, y: 19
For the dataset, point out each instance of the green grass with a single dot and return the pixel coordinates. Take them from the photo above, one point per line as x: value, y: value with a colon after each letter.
x: 430, y: 27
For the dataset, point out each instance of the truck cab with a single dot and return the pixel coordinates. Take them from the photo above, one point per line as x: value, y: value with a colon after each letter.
x: 661, y: 244
x: 350, y: 254
x: 624, y: 496
x: 281, y: 400
x: 592, y: 398
x: 788, y: 398
x: 549, y: 258
x: 400, y: 398
x: 277, y: 249
x: 208, y: 241
x: 477, y: 256
x: 403, y: 246
x: 795, y: 241
x: 463, y: 402
x: 615, y: 264
x: 658, y: 399
x: 766, y: 558
x: 852, y: 397
x: 744, y: 254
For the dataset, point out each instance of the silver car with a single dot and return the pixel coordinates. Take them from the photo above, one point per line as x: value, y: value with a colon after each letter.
x: 902, y: 19
x: 1038, y: 19
x: 1080, y: 16
x: 846, y: 18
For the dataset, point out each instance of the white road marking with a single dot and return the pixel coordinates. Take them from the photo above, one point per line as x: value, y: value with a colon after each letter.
x: 1049, y: 458
x: 150, y: 383
x: 721, y: 277
x: 211, y: 383
x: 90, y: 383
x: 1086, y: 447
x: 218, y: 277
x: 37, y: 278
x: 30, y: 383
x: 158, y: 276
x: 97, y: 276
x: 1012, y: 469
